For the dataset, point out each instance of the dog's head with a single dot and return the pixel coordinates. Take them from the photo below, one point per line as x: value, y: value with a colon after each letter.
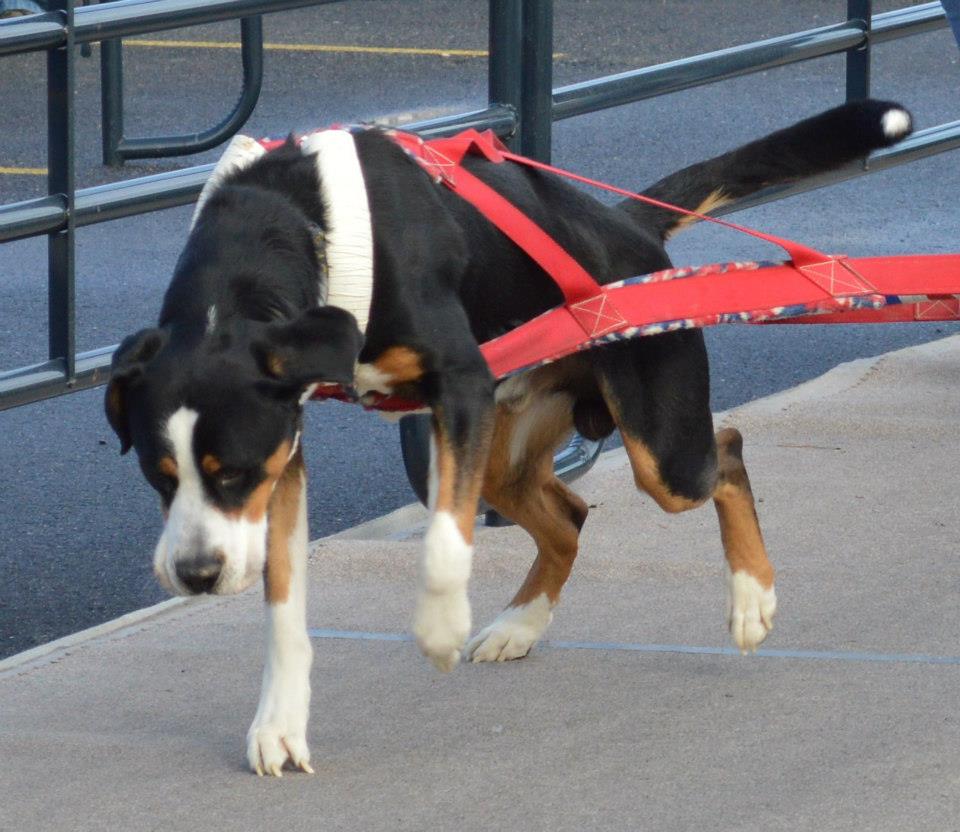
x: 214, y: 417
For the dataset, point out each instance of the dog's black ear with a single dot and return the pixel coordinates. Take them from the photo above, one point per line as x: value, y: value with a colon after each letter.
x: 321, y: 345
x: 133, y: 354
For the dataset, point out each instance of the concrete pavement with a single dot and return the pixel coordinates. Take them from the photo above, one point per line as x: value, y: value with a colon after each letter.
x: 635, y: 715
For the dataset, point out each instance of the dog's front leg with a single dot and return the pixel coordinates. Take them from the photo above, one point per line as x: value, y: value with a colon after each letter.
x: 279, y: 730
x: 462, y: 428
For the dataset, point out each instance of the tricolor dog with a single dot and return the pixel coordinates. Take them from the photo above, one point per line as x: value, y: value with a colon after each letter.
x: 341, y: 260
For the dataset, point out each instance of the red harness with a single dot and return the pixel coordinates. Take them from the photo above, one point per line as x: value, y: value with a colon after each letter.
x: 809, y: 287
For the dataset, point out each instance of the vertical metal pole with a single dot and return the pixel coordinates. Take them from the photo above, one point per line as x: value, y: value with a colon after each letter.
x: 858, y: 59
x: 60, y: 245
x: 503, y: 66
x: 111, y: 99
x: 536, y: 112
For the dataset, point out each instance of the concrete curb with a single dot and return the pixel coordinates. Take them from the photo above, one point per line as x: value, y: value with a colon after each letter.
x: 60, y: 646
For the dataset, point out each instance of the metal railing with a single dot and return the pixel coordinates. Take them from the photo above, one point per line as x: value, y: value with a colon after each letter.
x: 521, y: 107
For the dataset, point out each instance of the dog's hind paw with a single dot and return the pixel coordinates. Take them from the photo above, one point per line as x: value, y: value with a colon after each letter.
x: 441, y: 626
x: 512, y: 633
x: 750, y: 610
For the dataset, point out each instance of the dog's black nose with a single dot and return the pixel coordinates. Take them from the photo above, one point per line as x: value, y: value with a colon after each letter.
x: 199, y: 574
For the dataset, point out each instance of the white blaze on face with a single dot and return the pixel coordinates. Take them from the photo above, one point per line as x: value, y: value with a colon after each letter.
x: 196, y: 527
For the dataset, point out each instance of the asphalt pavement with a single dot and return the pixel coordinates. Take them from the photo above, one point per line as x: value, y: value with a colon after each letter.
x: 77, y: 523
x: 634, y: 715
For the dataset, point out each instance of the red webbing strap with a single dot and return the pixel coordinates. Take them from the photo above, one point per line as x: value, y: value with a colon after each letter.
x: 442, y: 158
x: 799, y: 254
x: 745, y: 293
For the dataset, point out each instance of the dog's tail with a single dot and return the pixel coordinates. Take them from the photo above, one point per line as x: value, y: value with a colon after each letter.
x: 815, y: 145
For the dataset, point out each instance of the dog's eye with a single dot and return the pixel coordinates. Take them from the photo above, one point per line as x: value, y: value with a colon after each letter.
x: 229, y: 477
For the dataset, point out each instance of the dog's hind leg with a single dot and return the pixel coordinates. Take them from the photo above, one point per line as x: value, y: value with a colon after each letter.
x: 657, y: 391
x: 279, y: 731
x: 462, y: 403
x: 521, y: 485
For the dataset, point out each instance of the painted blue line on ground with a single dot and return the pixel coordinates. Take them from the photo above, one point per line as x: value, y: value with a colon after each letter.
x: 817, y: 655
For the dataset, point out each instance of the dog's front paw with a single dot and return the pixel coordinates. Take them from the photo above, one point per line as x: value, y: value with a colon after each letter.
x: 512, y: 633
x: 441, y: 626
x: 750, y: 610
x: 278, y: 734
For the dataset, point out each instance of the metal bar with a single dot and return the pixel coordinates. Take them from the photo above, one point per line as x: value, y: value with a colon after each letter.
x: 61, y: 313
x: 903, y: 23
x: 859, y: 13
x: 111, y: 100
x: 32, y: 217
x: 251, y: 48
x: 503, y: 67
x: 131, y: 197
x: 131, y: 17
x: 499, y: 118
x: 536, y: 82
x: 636, y: 85
x: 135, y: 17
x: 44, y: 381
x: 142, y: 195
x: 32, y: 33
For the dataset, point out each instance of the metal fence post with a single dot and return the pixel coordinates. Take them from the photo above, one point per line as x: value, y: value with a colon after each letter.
x: 503, y: 65
x: 60, y: 183
x: 536, y: 110
x: 111, y: 100
x: 858, y: 58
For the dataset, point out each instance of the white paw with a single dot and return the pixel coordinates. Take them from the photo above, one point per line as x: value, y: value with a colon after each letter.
x: 441, y: 626
x: 750, y: 610
x: 279, y: 731
x: 512, y: 633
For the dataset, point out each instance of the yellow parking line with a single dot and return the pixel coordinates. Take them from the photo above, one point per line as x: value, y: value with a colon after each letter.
x: 23, y: 171
x: 313, y: 47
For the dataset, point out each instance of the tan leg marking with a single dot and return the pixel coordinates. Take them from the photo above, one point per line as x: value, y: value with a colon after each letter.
x: 739, y: 527
x: 458, y: 491
x: 527, y: 492
x: 646, y: 475
x: 284, y: 507
x: 401, y: 365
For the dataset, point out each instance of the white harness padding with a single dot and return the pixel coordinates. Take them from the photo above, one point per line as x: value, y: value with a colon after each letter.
x: 348, y: 237
x: 348, y: 234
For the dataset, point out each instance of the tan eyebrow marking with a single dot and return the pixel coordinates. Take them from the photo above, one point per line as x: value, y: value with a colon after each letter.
x: 168, y: 466
x: 256, y: 505
x: 210, y: 464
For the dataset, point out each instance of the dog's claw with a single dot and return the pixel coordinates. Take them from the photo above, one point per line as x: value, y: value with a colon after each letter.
x: 305, y: 767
